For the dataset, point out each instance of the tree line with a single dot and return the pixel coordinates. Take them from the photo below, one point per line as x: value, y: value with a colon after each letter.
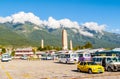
x: 48, y: 47
x: 57, y: 48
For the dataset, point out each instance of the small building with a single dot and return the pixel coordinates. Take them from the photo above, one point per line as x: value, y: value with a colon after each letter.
x: 23, y: 51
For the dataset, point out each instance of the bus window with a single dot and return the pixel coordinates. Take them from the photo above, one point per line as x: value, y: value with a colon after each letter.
x: 80, y: 55
x: 74, y: 55
x: 94, y: 59
x: 108, y: 59
x: 115, y: 59
x: 100, y: 59
x: 67, y: 56
x: 97, y: 59
x: 62, y: 56
x: 87, y: 55
x: 119, y: 59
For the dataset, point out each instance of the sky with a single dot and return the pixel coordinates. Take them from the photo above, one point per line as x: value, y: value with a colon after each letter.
x: 100, y: 11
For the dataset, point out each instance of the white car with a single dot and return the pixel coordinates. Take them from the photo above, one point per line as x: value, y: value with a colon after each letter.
x: 5, y: 57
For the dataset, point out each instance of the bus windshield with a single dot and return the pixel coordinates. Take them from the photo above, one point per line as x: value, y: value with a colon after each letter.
x: 116, y: 59
x: 67, y: 55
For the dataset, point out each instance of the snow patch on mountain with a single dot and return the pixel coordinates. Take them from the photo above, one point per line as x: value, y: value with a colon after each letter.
x: 94, y: 26
x: 85, y: 33
x: 54, y: 24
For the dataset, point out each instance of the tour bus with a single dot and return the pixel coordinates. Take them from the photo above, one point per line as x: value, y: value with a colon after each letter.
x: 84, y: 55
x: 108, y: 53
x: 67, y: 57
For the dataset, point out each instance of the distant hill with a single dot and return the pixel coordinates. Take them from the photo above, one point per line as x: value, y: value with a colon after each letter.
x: 9, y: 37
x: 26, y: 35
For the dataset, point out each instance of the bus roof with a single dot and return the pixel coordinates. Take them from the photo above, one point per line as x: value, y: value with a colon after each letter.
x: 108, y: 52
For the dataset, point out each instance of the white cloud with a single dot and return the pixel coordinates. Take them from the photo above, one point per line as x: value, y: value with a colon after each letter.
x: 22, y: 17
x: 94, y: 26
x: 68, y: 23
x: 52, y: 23
x: 6, y: 19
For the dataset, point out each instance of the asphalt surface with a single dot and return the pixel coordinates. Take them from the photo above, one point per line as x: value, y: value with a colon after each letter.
x: 47, y: 69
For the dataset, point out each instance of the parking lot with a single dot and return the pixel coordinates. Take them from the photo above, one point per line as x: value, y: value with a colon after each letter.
x: 47, y: 69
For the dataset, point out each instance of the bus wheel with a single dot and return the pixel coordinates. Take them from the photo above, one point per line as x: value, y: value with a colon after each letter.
x: 109, y: 69
x: 66, y: 62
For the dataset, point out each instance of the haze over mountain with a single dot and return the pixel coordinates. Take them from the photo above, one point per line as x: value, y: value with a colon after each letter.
x: 30, y: 28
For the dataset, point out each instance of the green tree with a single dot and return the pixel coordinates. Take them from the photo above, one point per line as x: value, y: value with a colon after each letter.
x: 88, y: 45
x: 34, y: 50
x: 58, y: 48
x: 77, y: 47
x: 40, y: 48
x: 13, y: 53
x: 3, y: 50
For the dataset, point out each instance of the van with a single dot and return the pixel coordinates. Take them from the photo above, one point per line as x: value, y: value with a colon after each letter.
x: 68, y: 57
x: 5, y: 57
x: 46, y: 56
x: 24, y: 57
x: 110, y: 63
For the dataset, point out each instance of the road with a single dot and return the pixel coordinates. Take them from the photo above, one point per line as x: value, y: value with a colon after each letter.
x: 47, y: 69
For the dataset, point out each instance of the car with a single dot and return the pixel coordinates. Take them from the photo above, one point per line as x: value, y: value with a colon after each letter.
x: 5, y: 57
x: 24, y: 57
x: 9, y: 58
x: 43, y: 56
x: 49, y: 57
x: 90, y: 67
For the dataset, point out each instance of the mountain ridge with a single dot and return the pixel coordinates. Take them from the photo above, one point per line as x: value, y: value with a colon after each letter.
x: 53, y: 36
x: 30, y: 29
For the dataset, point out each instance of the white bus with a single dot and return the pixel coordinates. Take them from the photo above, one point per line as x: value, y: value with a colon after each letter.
x: 68, y: 57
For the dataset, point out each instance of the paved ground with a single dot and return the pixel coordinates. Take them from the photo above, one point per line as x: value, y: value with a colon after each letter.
x: 47, y: 69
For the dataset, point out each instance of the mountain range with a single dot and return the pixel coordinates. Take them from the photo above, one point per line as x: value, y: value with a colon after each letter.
x: 26, y: 29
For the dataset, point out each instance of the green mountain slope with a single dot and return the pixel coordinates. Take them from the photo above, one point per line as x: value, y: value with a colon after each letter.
x: 9, y: 37
x: 26, y: 35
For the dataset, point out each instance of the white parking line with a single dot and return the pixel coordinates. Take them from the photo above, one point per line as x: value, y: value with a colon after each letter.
x: 6, y: 72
